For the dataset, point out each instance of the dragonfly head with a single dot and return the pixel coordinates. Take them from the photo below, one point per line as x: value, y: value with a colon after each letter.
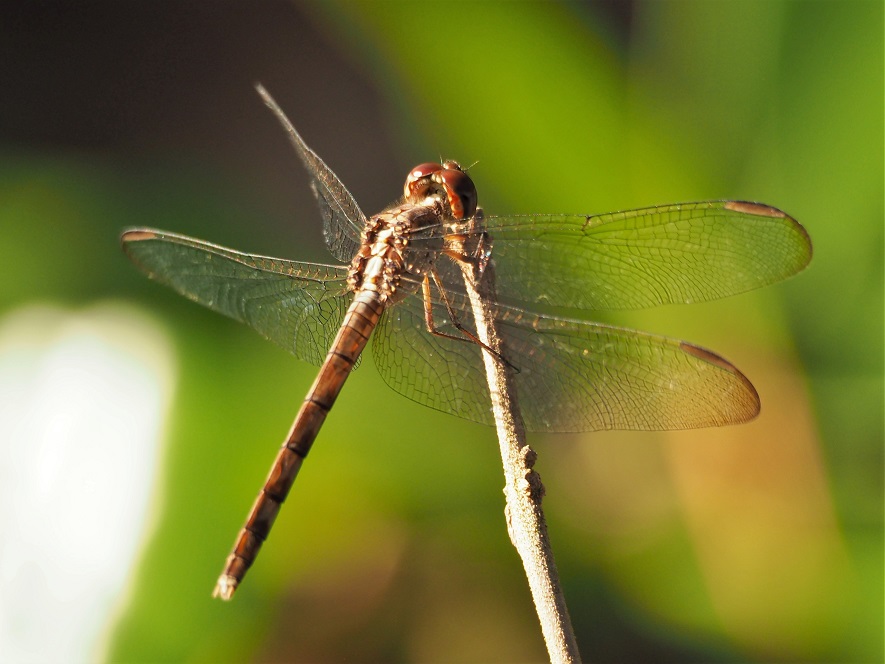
x: 448, y: 181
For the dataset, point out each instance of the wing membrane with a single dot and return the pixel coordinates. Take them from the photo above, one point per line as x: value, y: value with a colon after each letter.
x: 672, y: 254
x: 573, y: 375
x: 343, y: 221
x: 298, y: 306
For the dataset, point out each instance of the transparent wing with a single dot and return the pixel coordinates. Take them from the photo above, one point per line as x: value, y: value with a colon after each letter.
x: 343, y: 221
x: 441, y: 373
x: 670, y: 254
x: 572, y: 375
x: 298, y: 306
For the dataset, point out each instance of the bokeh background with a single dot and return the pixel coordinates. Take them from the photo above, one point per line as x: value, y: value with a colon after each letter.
x: 136, y: 427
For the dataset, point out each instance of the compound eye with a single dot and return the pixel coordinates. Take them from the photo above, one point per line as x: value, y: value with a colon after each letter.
x: 460, y: 190
x: 418, y: 182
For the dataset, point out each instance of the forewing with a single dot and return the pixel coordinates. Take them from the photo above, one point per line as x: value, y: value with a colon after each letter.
x: 343, y: 221
x: 669, y: 254
x: 298, y: 306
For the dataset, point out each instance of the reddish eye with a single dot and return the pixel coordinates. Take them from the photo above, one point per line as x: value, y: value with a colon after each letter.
x: 418, y: 181
x: 459, y: 189
x: 423, y: 170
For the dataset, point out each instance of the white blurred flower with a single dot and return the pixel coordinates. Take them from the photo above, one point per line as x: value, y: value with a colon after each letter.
x: 83, y: 399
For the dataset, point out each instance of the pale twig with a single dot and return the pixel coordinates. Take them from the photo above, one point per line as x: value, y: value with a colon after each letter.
x: 523, y: 489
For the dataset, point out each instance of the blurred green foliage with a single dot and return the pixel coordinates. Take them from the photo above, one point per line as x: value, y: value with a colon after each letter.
x: 392, y: 545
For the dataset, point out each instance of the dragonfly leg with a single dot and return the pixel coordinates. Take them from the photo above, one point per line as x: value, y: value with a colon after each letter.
x: 482, y: 253
x: 479, y: 254
x: 468, y: 337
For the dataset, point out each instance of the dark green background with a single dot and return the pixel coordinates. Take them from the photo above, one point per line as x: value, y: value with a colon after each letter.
x: 755, y: 543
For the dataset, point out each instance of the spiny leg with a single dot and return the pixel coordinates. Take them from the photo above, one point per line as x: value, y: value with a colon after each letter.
x: 468, y: 337
x: 481, y: 252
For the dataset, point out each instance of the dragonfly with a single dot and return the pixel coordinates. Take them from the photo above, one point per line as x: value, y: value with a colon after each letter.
x: 400, y: 283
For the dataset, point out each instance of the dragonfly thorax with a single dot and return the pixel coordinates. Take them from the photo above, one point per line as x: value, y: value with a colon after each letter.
x: 393, y: 257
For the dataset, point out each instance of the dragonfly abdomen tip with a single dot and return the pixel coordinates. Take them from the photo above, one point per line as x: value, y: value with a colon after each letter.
x: 225, y: 587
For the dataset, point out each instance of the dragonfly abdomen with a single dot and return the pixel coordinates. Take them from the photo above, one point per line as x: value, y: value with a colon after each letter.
x: 361, y: 318
x: 376, y: 272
